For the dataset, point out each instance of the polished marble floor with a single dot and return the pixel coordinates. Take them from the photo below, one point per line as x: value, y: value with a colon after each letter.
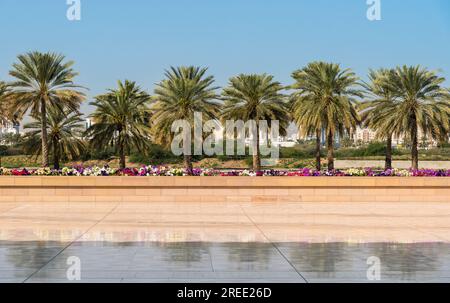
x: 224, y: 242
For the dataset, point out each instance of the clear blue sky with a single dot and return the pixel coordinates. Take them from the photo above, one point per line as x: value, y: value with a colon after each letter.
x: 138, y: 39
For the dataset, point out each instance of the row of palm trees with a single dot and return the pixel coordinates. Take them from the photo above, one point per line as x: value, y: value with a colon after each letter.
x: 324, y: 98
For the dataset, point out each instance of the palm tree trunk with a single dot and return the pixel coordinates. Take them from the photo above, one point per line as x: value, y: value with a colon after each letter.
x: 188, y: 163
x: 44, y: 134
x: 330, y: 147
x: 388, y: 162
x: 414, y: 148
x: 123, y: 163
x: 318, y: 153
x: 55, y: 155
x: 122, y: 159
x: 256, y: 156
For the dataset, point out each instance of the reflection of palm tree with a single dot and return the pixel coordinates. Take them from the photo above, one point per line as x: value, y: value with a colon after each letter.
x: 323, y: 258
x: 186, y: 253
x: 30, y: 255
x: 408, y: 259
x: 257, y: 255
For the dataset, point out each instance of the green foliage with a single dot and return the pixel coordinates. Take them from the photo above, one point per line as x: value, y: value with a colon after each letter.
x: 121, y: 120
x: 43, y: 81
x: 4, y: 150
x: 420, y: 103
x: 4, y: 102
x: 325, y: 100
x: 184, y: 91
x: 255, y: 97
x: 19, y: 161
x: 298, y: 152
x: 154, y: 154
x: 371, y: 150
x: 64, y: 132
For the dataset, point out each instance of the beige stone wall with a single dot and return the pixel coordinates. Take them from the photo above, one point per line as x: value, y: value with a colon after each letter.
x: 224, y: 189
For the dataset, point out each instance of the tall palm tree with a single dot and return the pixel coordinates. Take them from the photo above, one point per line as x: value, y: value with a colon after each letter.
x: 4, y: 107
x: 44, y: 80
x: 374, y: 112
x: 303, y: 109
x: 184, y: 92
x: 326, y: 101
x: 255, y: 97
x: 120, y: 119
x: 4, y: 102
x: 421, y: 104
x: 64, y: 129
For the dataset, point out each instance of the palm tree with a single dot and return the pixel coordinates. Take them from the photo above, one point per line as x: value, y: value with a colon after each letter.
x: 325, y: 101
x: 420, y: 104
x: 120, y: 120
x: 44, y: 80
x: 255, y: 97
x: 64, y: 129
x: 4, y: 90
x: 303, y: 109
x: 374, y: 112
x: 4, y: 102
x: 184, y: 92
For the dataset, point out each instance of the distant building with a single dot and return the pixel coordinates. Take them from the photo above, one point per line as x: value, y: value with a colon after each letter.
x: 9, y: 128
x: 88, y: 123
x: 364, y: 135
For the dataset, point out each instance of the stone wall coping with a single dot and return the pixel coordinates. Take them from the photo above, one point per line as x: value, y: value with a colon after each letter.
x: 223, y: 182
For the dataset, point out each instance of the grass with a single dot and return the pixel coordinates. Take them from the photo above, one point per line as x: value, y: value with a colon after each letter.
x: 19, y: 161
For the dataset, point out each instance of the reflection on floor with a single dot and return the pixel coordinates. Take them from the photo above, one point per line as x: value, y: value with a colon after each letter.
x: 224, y: 242
x: 222, y: 262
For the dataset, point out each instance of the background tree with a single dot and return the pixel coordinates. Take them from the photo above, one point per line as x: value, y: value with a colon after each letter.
x: 375, y: 113
x: 421, y: 104
x: 120, y: 120
x: 65, y: 131
x: 4, y: 105
x: 12, y: 139
x: 44, y: 80
x: 308, y: 124
x: 324, y: 100
x: 255, y: 97
x: 185, y: 91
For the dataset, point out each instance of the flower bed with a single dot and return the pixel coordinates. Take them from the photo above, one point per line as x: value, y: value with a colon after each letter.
x: 168, y: 171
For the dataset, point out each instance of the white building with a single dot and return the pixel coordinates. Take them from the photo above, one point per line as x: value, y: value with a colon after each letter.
x: 364, y: 135
x: 9, y: 128
x: 88, y: 123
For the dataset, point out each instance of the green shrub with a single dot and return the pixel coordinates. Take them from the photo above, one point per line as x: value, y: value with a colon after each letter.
x: 3, y: 150
x: 300, y: 151
x: 372, y: 150
x: 155, y: 154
